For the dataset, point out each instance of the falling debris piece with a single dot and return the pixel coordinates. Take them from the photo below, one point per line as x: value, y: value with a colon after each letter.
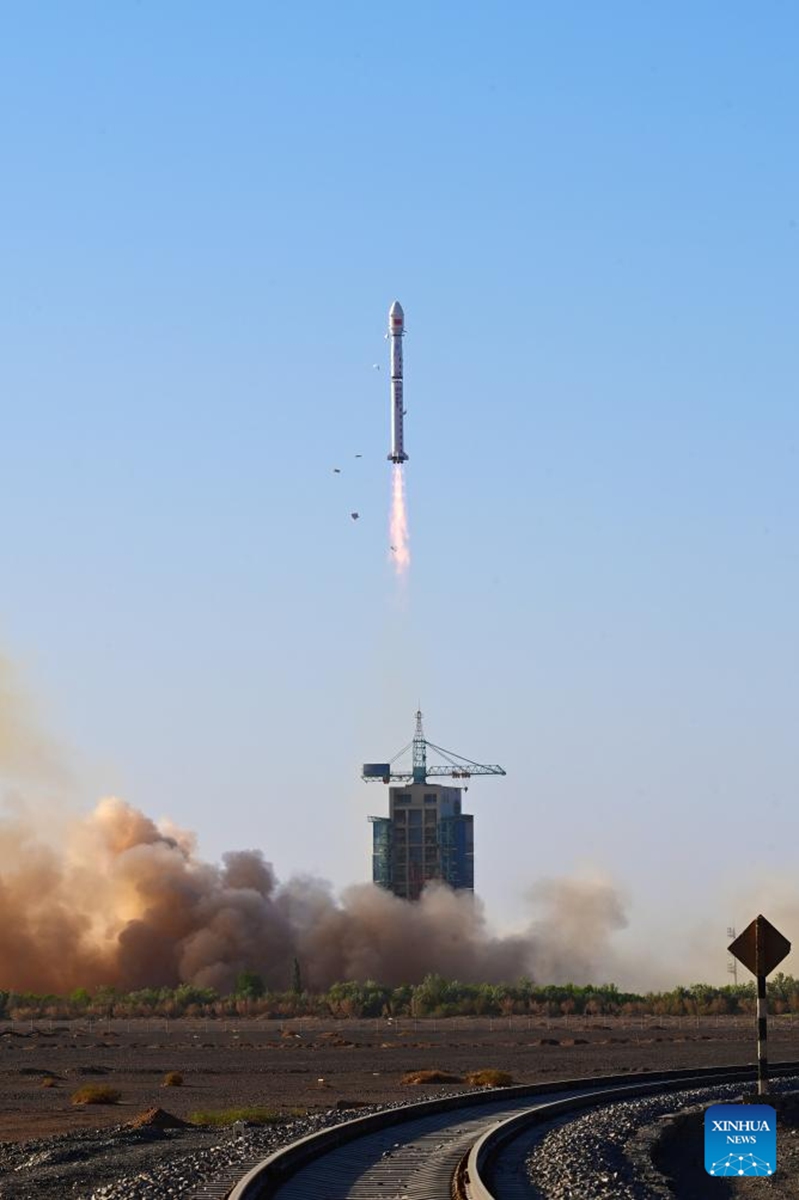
x: 355, y: 516
x: 359, y: 456
x: 337, y: 470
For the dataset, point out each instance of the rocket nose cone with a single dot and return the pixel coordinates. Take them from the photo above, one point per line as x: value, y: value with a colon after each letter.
x: 396, y: 310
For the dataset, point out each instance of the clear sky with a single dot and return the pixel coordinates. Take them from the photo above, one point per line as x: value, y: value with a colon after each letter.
x: 590, y: 213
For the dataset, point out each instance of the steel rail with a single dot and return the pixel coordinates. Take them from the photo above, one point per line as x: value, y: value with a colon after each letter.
x: 418, y: 1149
x: 474, y: 1176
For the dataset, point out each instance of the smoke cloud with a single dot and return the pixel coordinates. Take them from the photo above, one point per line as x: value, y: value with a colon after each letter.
x: 114, y: 898
x: 124, y: 902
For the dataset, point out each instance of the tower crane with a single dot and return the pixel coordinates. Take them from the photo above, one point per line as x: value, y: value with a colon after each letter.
x: 454, y: 767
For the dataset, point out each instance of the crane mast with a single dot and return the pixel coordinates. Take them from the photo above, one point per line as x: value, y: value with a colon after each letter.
x: 454, y: 767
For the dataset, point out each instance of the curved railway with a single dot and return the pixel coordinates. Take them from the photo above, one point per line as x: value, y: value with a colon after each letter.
x: 458, y: 1148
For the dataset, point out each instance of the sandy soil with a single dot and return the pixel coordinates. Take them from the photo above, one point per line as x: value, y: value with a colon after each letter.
x: 315, y: 1065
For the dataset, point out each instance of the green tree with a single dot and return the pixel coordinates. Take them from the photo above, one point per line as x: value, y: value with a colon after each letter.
x: 249, y: 986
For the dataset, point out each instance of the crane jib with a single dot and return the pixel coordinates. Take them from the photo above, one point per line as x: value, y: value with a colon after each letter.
x: 454, y: 767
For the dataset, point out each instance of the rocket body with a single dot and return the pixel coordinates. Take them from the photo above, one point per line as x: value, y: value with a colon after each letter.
x: 396, y: 332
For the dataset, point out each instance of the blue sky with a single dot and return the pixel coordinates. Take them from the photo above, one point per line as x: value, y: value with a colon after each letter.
x: 590, y: 214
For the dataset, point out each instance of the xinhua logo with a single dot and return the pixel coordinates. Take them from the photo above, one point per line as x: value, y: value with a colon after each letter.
x: 740, y: 1139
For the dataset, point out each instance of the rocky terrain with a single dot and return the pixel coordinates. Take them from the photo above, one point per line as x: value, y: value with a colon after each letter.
x: 307, y: 1072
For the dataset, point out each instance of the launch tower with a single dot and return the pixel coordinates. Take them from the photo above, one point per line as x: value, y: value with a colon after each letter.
x: 426, y: 835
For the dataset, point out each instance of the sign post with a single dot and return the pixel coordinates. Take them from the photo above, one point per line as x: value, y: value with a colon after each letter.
x: 760, y: 948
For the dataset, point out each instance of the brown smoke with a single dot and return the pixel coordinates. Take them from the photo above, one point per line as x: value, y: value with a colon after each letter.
x: 122, y: 902
x: 113, y: 898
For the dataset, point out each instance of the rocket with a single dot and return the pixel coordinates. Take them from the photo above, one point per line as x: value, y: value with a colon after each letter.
x: 396, y: 332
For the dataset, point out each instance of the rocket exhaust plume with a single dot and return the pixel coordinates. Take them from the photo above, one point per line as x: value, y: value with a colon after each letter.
x: 398, y: 525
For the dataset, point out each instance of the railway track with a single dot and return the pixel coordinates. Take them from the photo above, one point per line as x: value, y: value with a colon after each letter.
x: 457, y: 1148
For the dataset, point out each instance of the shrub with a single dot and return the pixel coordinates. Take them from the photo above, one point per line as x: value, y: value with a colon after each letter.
x: 173, y: 1079
x: 489, y: 1078
x: 96, y: 1093
x: 229, y: 1116
x: 430, y: 1076
x: 49, y: 1081
x: 249, y: 985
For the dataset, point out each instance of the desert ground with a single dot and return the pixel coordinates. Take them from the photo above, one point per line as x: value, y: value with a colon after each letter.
x: 307, y: 1065
x: 313, y: 1064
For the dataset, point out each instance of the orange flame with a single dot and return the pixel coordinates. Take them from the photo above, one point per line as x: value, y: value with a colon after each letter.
x: 398, y: 525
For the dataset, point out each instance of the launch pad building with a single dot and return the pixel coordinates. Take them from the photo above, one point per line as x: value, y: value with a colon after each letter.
x: 426, y: 835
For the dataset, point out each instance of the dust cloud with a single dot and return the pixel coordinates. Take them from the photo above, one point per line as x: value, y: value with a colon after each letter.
x: 121, y: 901
x: 111, y: 897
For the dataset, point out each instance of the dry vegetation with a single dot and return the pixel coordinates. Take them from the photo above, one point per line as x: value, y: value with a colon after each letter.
x: 173, y: 1079
x: 96, y: 1093
x: 489, y: 1077
x: 431, y: 1075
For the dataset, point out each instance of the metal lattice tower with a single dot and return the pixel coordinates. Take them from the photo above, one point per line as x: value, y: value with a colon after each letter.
x: 419, y: 751
x: 455, y: 766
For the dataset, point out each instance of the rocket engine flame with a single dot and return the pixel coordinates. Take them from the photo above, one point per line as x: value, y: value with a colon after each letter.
x: 398, y: 524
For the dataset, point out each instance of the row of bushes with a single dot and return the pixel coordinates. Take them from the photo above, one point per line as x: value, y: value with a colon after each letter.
x: 434, y: 996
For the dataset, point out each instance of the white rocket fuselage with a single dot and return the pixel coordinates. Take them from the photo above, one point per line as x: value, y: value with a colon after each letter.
x: 396, y: 331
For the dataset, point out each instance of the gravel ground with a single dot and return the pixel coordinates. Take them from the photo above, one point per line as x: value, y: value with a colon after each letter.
x: 680, y: 1152
x: 624, y: 1151
x: 121, y: 1163
x: 603, y: 1155
x: 49, y: 1148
